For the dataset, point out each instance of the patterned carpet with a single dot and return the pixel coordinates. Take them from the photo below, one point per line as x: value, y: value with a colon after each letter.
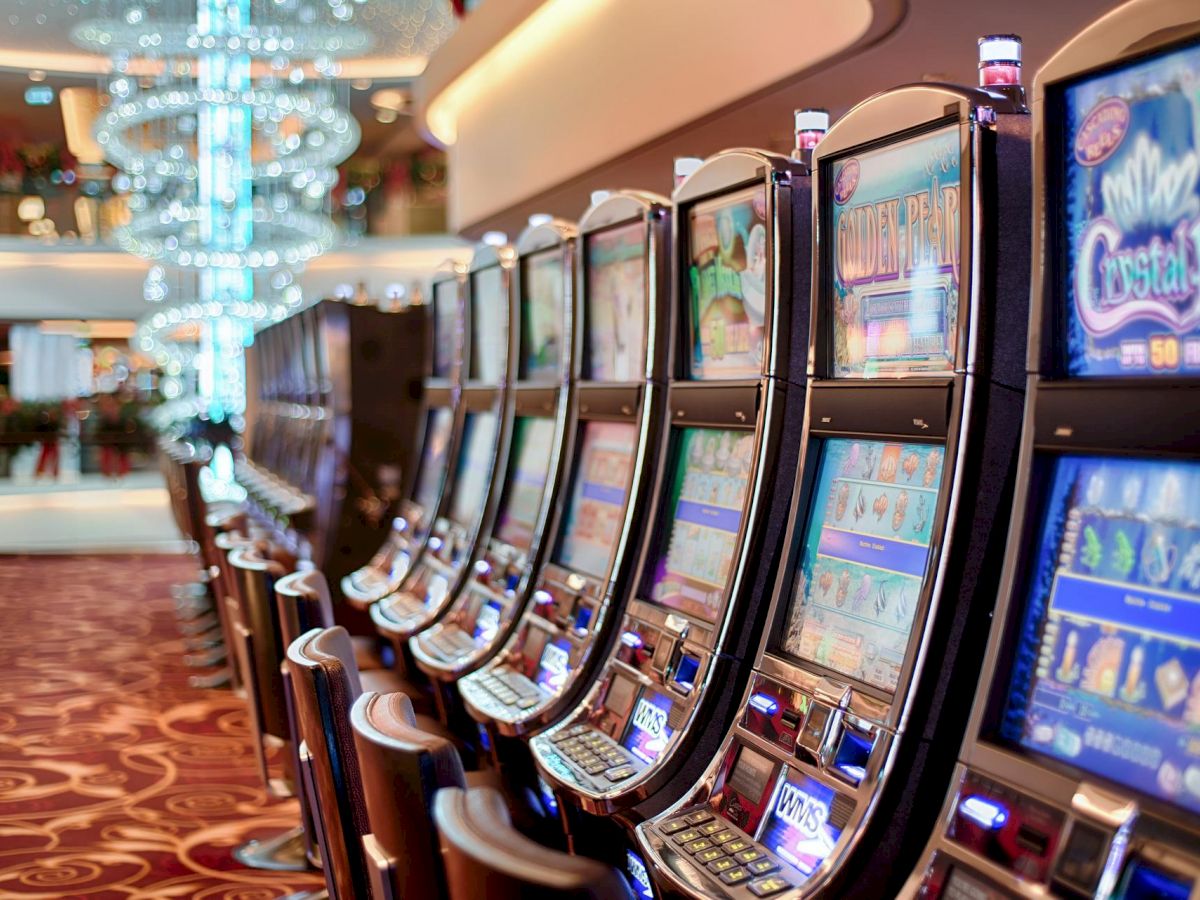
x: 117, y: 780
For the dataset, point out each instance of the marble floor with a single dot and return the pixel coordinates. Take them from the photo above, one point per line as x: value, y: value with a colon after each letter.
x: 89, y: 514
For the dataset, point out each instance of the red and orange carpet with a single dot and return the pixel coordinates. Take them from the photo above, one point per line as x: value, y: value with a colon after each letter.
x: 117, y: 779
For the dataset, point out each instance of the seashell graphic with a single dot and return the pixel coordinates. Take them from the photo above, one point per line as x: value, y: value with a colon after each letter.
x: 860, y: 506
x: 900, y: 511
x: 932, y: 464
x: 843, y: 590
x: 843, y: 498
x: 910, y: 465
x: 880, y: 506
x: 825, y: 582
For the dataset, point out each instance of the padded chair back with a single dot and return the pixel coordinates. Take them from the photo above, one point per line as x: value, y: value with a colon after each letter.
x: 304, y: 604
x: 325, y: 681
x: 486, y: 857
x: 256, y: 575
x: 402, y: 768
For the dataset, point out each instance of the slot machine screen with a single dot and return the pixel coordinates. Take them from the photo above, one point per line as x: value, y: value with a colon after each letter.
x: 707, y: 496
x: 746, y: 787
x: 526, y: 480
x: 555, y: 665
x: 892, y: 281
x: 648, y: 729
x: 489, y: 325
x: 542, y: 302
x: 445, y: 318
x: 727, y: 284
x: 474, y: 468
x: 865, y: 551
x: 432, y: 471
x: 600, y: 485
x: 1126, y: 216
x: 1106, y: 674
x: 616, y: 302
x: 799, y: 827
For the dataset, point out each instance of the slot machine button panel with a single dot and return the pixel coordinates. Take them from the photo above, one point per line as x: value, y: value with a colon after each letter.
x: 674, y: 826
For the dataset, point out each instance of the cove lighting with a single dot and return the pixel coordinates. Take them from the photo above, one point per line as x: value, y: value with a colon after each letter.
x: 541, y: 28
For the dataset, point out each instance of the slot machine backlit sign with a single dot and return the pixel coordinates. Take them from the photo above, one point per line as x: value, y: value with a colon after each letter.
x: 648, y: 730
x: 554, y: 666
x: 895, y: 219
x: 1129, y: 220
x: 800, y: 830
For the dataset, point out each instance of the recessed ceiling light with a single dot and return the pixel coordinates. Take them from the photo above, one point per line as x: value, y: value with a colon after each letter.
x: 386, y: 116
x: 390, y: 98
x: 37, y: 75
x: 361, y: 84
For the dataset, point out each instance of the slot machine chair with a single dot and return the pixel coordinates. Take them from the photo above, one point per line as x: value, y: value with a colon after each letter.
x: 326, y: 683
x: 403, y: 767
x: 254, y: 618
x: 485, y: 856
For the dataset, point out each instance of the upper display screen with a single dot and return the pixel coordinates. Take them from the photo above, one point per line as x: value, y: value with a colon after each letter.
x: 532, y: 442
x: 542, y: 315
x: 616, y: 304
x: 489, y: 325
x: 706, y: 500
x: 865, y: 552
x: 894, y: 226
x: 597, y: 509
x: 445, y: 318
x: 1129, y: 220
x: 727, y: 278
x: 474, y: 470
x: 432, y: 471
x: 1107, y: 674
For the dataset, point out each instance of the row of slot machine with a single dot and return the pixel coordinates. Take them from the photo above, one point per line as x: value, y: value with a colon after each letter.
x: 325, y: 450
x: 780, y: 539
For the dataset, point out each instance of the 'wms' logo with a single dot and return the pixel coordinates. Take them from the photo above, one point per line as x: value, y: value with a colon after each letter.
x: 798, y: 809
x: 650, y: 719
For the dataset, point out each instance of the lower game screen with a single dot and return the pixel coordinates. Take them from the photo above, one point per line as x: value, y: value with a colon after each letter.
x: 532, y: 442
x: 799, y: 827
x: 474, y: 467
x: 865, y: 551
x: 433, y: 458
x: 1107, y: 673
x: 707, y: 494
x: 597, y: 508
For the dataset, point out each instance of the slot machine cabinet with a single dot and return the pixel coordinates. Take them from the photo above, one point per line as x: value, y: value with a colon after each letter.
x: 1080, y: 772
x: 442, y: 391
x: 549, y: 657
x: 469, y: 504
x: 482, y: 611
x: 706, y: 562
x: 853, y: 712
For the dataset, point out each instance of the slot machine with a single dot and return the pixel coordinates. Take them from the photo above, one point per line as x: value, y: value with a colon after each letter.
x: 481, y: 614
x: 502, y: 501
x: 1080, y: 772
x: 919, y: 311
x: 479, y: 445
x: 440, y: 398
x: 718, y: 505
x: 548, y: 658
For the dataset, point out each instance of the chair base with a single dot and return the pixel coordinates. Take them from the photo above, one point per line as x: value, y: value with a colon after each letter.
x: 217, y: 679
x: 282, y: 853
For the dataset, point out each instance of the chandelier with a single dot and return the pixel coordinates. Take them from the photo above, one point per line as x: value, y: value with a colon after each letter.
x: 226, y: 127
